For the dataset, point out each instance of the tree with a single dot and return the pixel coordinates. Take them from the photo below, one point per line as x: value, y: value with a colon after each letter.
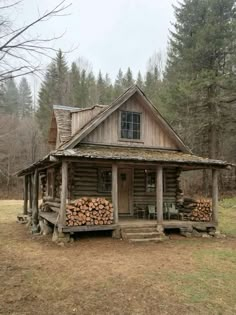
x: 139, y: 80
x: 200, y: 73
x: 118, y: 86
x: 19, y: 51
x: 10, y: 98
x: 25, y: 99
x: 54, y: 91
x: 128, y: 79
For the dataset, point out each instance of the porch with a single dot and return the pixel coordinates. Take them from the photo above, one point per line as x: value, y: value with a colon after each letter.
x: 127, y: 184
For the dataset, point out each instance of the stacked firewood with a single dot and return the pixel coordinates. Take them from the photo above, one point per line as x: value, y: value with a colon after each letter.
x: 89, y: 211
x: 202, y: 211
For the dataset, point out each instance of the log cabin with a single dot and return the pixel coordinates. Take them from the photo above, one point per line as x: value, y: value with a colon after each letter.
x: 124, y: 154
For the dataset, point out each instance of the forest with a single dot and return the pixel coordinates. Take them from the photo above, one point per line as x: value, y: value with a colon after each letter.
x: 194, y: 89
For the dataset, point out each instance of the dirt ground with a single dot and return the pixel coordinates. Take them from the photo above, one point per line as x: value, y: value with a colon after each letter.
x: 100, y: 275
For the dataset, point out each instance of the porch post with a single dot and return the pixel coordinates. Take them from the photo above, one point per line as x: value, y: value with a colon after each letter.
x: 26, y: 182
x: 215, y: 196
x: 64, y: 184
x: 35, y: 210
x: 115, y: 191
x: 30, y: 192
x: 159, y: 194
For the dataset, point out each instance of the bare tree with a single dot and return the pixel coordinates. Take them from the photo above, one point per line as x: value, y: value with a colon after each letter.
x: 19, y: 51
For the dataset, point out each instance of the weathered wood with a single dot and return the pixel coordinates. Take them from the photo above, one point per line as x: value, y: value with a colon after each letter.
x: 159, y: 194
x: 25, y: 206
x: 62, y: 212
x: 115, y: 191
x: 31, y: 179
x: 215, y: 196
x: 35, y: 210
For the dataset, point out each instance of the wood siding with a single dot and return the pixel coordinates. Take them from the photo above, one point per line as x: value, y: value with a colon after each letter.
x: 152, y: 133
x: 143, y: 198
x: 81, y: 118
x: 84, y: 181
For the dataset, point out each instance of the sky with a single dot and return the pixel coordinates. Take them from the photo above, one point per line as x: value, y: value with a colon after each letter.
x: 110, y: 34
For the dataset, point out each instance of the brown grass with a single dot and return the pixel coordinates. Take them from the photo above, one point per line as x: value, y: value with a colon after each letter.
x: 99, y: 275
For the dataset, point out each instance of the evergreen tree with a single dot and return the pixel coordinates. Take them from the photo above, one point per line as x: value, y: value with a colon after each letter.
x: 74, y: 85
x: 54, y: 90
x: 100, y: 88
x: 10, y: 97
x: 128, y: 79
x: 200, y: 73
x: 139, y: 80
x: 25, y: 99
x: 118, y: 86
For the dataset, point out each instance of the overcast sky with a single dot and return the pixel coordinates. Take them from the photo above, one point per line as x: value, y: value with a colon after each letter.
x: 110, y: 34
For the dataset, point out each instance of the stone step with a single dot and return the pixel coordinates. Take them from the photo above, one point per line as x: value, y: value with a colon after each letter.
x: 145, y: 240
x: 140, y: 235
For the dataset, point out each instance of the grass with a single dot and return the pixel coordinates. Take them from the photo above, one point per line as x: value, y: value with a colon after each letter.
x: 105, y: 276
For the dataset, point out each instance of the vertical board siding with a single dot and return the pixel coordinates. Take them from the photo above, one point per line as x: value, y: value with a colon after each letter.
x: 152, y: 134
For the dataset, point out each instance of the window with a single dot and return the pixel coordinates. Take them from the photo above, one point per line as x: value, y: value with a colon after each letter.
x: 104, y: 180
x: 151, y: 181
x: 130, y: 125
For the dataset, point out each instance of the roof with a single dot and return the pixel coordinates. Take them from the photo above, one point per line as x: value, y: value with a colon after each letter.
x: 98, y: 119
x: 96, y: 152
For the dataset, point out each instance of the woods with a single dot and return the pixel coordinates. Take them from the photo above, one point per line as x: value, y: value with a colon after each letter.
x: 195, y: 89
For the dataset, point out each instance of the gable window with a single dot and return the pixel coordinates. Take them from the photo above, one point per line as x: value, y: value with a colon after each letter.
x: 104, y: 180
x: 130, y: 125
x: 151, y: 181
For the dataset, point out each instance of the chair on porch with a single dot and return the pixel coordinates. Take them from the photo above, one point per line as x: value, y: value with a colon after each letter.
x: 140, y: 212
x: 170, y: 210
x: 151, y: 212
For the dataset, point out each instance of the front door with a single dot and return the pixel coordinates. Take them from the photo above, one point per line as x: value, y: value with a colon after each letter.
x: 125, y: 190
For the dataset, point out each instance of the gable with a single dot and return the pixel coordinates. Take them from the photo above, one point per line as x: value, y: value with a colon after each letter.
x: 153, y: 134
x: 121, y: 100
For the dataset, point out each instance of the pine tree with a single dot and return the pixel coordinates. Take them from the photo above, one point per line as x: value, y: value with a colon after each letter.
x: 200, y: 73
x: 54, y: 91
x: 25, y: 99
x: 74, y: 85
x: 100, y: 88
x: 118, y: 86
x: 139, y: 80
x: 10, y: 98
x: 128, y: 79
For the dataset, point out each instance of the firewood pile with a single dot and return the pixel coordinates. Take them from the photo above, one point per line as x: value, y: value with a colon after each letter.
x: 197, y: 210
x: 202, y: 211
x: 89, y: 211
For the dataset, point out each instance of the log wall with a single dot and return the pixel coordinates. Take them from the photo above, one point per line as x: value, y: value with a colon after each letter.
x: 84, y: 181
x: 143, y: 198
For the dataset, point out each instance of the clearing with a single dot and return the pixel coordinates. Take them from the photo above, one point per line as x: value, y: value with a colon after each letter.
x: 100, y: 275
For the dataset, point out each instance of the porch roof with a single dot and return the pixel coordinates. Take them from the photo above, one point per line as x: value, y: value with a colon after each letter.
x: 132, y: 154
x: 138, y: 154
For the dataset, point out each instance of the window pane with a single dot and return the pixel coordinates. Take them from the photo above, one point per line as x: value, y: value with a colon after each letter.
x: 130, y: 125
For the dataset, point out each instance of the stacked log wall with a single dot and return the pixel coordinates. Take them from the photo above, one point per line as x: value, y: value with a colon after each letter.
x: 83, y: 181
x: 143, y: 198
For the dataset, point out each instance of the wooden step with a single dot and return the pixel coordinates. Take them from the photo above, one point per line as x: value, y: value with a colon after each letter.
x: 140, y: 235
x: 145, y: 240
x: 138, y: 229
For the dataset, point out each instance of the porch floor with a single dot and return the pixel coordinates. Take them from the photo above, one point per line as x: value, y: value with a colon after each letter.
x: 127, y: 222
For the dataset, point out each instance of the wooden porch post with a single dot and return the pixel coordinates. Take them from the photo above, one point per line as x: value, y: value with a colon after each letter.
x: 35, y: 210
x: 26, y: 182
x: 115, y: 191
x: 62, y: 212
x: 159, y: 194
x: 215, y: 196
x: 30, y: 191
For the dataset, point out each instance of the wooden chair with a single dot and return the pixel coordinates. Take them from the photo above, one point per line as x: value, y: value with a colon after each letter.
x: 171, y: 211
x: 140, y: 212
x: 151, y: 211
